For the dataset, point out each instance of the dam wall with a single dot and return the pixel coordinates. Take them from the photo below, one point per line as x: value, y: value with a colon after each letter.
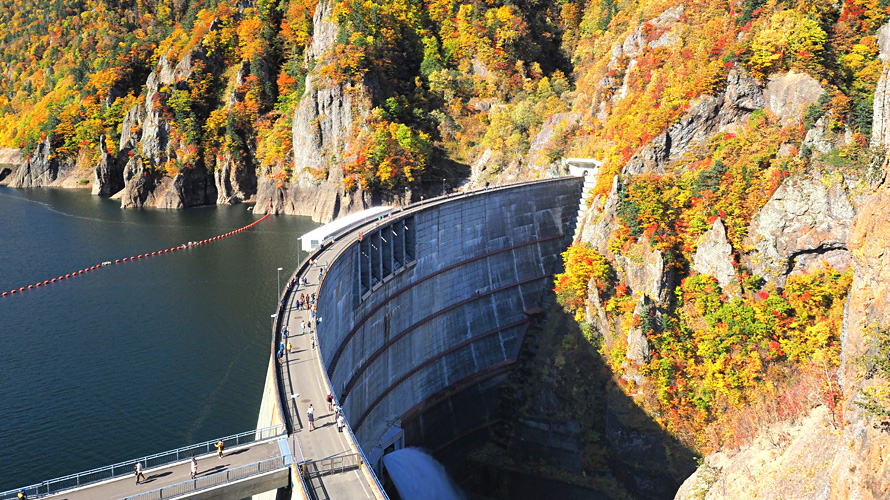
x: 436, y: 299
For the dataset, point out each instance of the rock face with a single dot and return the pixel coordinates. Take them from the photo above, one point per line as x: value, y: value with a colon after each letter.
x: 807, y: 218
x: 786, y: 461
x: 146, y: 182
x: 600, y: 219
x: 322, y: 128
x: 637, y: 343
x: 644, y: 272
x: 714, y: 255
x: 706, y: 116
x: 41, y: 169
x: 236, y: 181
x: 788, y: 95
x: 108, y: 176
x: 552, y: 124
x: 880, y: 130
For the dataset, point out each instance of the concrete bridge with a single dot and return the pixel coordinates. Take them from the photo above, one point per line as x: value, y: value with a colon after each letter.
x: 419, y: 317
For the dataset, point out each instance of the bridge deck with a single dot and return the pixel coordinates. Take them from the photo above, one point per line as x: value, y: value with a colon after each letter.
x: 167, y: 475
x: 301, y: 375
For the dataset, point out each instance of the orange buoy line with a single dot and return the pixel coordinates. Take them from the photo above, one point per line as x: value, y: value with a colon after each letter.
x: 21, y: 290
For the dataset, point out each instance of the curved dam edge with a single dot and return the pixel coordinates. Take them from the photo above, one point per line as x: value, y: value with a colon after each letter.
x: 427, y: 303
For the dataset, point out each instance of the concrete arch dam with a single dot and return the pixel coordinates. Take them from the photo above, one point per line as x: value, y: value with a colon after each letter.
x: 433, y: 303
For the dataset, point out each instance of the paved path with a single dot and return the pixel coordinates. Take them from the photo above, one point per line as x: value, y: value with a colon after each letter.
x: 160, y: 477
x: 301, y: 375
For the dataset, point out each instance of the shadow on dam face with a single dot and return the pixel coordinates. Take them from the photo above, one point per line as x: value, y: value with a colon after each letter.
x: 427, y: 336
x: 555, y: 425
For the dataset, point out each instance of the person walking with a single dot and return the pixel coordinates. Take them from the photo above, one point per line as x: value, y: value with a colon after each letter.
x: 341, y: 423
x: 303, y: 327
x: 290, y: 348
x: 219, y: 447
x: 313, y: 343
x: 330, y: 399
x: 138, y: 469
x: 194, y: 470
x: 310, y: 414
x: 22, y: 495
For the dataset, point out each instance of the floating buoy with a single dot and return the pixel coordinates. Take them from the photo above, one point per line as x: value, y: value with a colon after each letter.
x: 37, y: 285
x: 4, y: 293
x: 22, y: 289
x: 80, y: 272
x: 46, y: 282
x: 167, y: 250
x: 52, y: 280
x: 117, y: 261
x: 124, y: 259
x: 67, y: 275
x: 60, y: 278
x: 12, y: 292
x: 30, y: 287
x: 154, y: 253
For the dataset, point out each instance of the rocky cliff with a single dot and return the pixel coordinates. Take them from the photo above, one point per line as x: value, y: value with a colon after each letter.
x: 148, y: 179
x: 832, y: 218
x: 323, y: 125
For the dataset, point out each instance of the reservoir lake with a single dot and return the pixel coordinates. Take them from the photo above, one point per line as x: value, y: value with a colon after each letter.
x: 135, y: 358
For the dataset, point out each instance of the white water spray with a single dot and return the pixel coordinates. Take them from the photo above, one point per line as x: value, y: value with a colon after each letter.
x: 419, y: 476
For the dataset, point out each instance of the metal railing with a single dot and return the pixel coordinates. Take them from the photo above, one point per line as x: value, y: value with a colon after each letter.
x: 213, y: 480
x: 126, y: 468
x: 333, y: 465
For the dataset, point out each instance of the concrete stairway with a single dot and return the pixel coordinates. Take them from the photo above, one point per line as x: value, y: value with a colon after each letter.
x: 589, y: 184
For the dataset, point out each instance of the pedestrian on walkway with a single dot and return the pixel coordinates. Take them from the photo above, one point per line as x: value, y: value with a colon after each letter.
x: 303, y: 327
x: 194, y: 472
x: 341, y: 422
x: 313, y: 343
x: 290, y: 348
x: 138, y: 469
x: 22, y: 495
x: 330, y: 399
x: 310, y: 414
x: 280, y: 356
x: 219, y: 447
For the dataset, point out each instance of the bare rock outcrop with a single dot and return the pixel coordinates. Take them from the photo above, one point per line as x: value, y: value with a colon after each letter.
x: 785, y: 461
x: 557, y: 122
x: 323, y: 126
x: 808, y: 218
x: 707, y: 115
x: 637, y: 343
x: 644, y: 272
x: 880, y: 130
x: 714, y: 255
x: 146, y: 178
x: 108, y: 176
x: 789, y: 95
x: 600, y: 219
x: 41, y: 169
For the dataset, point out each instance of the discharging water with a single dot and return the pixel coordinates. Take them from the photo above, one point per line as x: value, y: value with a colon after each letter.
x: 418, y: 476
x: 132, y: 359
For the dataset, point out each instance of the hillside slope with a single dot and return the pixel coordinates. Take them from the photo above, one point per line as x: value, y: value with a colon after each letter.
x: 732, y: 263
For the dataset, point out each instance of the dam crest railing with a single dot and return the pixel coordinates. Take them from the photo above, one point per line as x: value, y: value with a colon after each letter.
x: 125, y: 468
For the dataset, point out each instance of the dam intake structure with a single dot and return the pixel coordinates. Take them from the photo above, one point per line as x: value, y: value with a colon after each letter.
x: 419, y: 316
